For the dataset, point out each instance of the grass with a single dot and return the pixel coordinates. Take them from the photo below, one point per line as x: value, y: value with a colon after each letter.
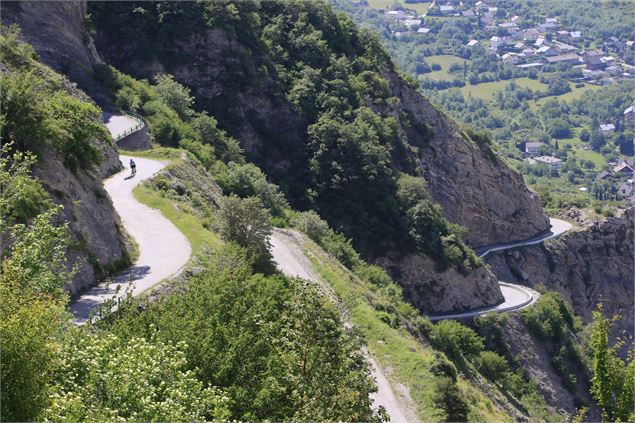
x: 190, y: 225
x: 420, y: 8
x: 574, y: 94
x: 445, y: 60
x: 407, y: 359
x: 486, y: 90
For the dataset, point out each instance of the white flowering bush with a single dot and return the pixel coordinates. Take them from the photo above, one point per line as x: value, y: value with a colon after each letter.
x: 102, y: 378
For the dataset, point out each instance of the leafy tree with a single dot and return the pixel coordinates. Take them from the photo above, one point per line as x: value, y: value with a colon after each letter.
x: 246, y: 222
x: 175, y: 95
x: 613, y: 379
x: 32, y: 301
x: 456, y: 340
x: 585, y: 135
x: 597, y: 139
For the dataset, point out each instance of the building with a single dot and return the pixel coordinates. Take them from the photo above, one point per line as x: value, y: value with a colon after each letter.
x: 533, y: 147
x: 570, y: 58
x: 575, y: 34
x: 447, y: 9
x: 607, y: 127
x: 553, y: 162
x: 496, y: 42
x: 593, y: 60
x: 602, y: 176
x: 623, y: 169
x: 423, y: 30
x: 472, y: 43
x: 411, y: 23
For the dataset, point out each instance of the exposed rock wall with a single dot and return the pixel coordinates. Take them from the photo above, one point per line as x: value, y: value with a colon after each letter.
x: 535, y: 356
x: 56, y: 29
x: 449, y: 291
x: 475, y: 189
x: 587, y: 266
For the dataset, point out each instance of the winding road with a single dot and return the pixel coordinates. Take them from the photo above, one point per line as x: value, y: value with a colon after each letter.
x: 516, y: 296
x: 163, y: 249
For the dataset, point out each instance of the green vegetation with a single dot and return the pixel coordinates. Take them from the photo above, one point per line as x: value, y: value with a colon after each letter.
x: 39, y: 110
x: 331, y: 73
x: 246, y: 222
x: 553, y: 321
x: 613, y: 381
x: 515, y: 105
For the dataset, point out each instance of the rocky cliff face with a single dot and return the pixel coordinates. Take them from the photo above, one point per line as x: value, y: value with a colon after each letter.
x: 433, y: 292
x: 587, y: 266
x: 475, y: 188
x: 99, y: 246
x: 56, y: 29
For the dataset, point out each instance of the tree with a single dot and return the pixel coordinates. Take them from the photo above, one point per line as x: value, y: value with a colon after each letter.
x: 612, y: 381
x: 246, y: 222
x: 175, y: 95
x: 585, y: 136
x: 597, y: 140
x: 32, y: 301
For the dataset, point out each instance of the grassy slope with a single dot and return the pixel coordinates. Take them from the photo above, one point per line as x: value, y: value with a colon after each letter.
x: 199, y: 236
x: 406, y: 358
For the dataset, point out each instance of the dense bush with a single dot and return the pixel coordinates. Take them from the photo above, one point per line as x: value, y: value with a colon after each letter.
x: 272, y: 343
x: 457, y: 341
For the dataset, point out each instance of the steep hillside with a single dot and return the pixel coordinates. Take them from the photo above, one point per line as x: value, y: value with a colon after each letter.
x: 46, y: 114
x: 265, y: 90
x: 589, y: 266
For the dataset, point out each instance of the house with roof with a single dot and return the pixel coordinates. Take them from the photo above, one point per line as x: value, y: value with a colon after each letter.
x: 446, y: 9
x: 496, y: 42
x: 575, y: 34
x: 530, y: 34
x: 628, y: 117
x: 511, y: 27
x: 472, y: 43
x: 570, y: 58
x: 533, y: 147
x: 607, y: 127
x: 593, y: 60
x: 623, y: 169
x: 551, y: 161
x: 603, y: 176
x: 423, y: 30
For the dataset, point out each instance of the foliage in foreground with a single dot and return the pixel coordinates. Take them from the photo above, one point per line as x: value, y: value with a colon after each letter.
x: 613, y: 381
x: 272, y: 343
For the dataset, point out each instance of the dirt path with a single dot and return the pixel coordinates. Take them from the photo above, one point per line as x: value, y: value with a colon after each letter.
x: 163, y: 249
x: 291, y: 261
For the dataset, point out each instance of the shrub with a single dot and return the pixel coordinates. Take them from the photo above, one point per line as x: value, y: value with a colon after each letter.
x: 492, y: 365
x: 456, y: 340
x: 311, y: 224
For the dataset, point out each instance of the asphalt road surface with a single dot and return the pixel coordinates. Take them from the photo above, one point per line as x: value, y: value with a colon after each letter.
x: 163, y: 249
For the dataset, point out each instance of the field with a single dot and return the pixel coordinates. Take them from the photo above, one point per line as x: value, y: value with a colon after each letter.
x: 486, y: 90
x: 420, y: 8
x: 574, y: 94
x: 445, y: 60
x: 577, y: 150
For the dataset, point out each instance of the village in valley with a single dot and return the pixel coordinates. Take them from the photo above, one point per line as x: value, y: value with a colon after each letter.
x: 537, y: 73
x: 527, y: 44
